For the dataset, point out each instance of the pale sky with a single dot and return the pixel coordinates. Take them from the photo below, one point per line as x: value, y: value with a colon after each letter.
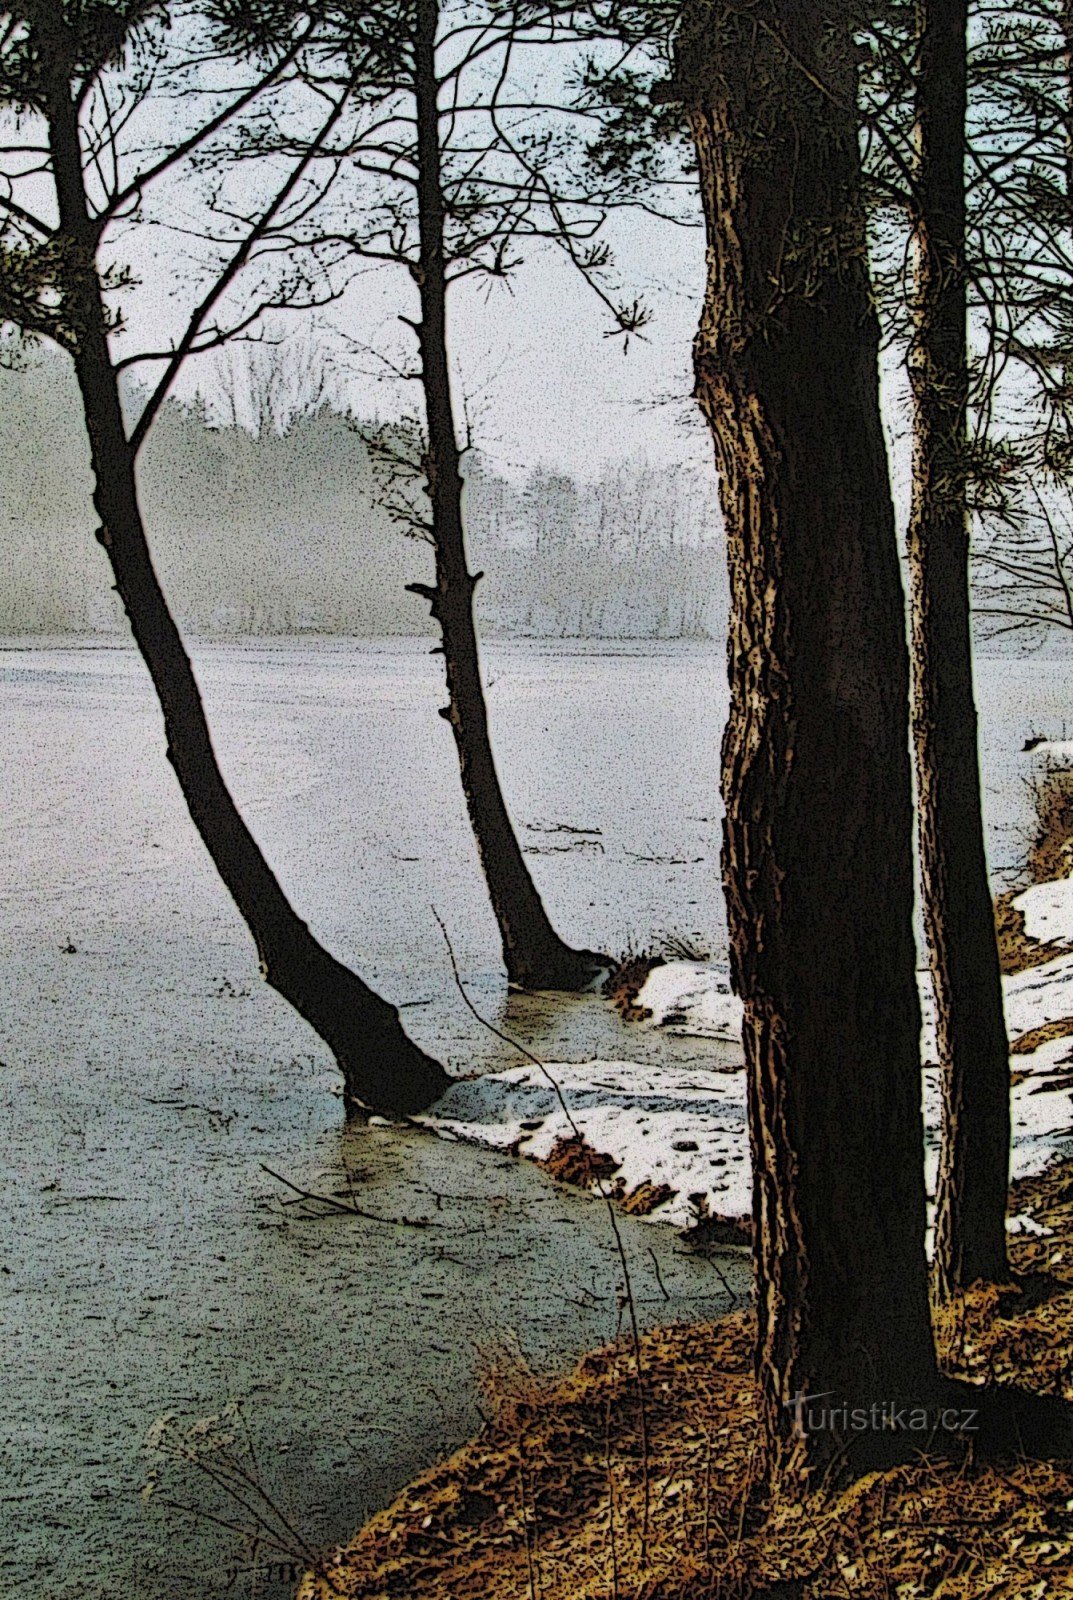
x: 543, y: 382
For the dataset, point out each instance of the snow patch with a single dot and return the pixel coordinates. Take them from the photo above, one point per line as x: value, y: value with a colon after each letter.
x: 1048, y: 911
x: 1037, y: 996
x: 685, y: 1126
x: 692, y: 997
x: 1058, y: 750
x: 680, y: 1126
x: 1023, y: 1223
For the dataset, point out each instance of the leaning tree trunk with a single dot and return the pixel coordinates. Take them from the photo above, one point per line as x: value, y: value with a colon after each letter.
x: 534, y: 954
x: 973, y: 1050
x: 817, y: 850
x: 1065, y: 22
x: 381, y: 1067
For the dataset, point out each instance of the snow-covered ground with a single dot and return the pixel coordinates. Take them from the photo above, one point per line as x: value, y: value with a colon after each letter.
x: 685, y: 1127
x: 680, y: 1126
x: 692, y: 997
x: 1048, y: 910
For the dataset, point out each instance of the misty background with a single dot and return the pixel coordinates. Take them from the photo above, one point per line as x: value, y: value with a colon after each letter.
x: 271, y: 512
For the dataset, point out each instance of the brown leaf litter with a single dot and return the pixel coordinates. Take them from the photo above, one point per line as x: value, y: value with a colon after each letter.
x: 547, y: 1503
x: 573, y: 1160
x: 623, y: 985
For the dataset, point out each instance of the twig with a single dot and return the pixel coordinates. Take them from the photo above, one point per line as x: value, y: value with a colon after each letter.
x: 605, y: 1196
x: 344, y: 1208
x: 707, y: 1498
x: 232, y: 1478
x: 721, y: 1275
x: 529, y: 1563
x: 659, y: 1275
x: 613, y: 1536
x: 745, y: 1500
x: 198, y: 1514
x: 810, y: 1519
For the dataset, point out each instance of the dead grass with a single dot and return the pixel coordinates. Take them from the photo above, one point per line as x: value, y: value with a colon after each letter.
x: 1026, y: 1043
x: 623, y: 985
x: 1017, y: 951
x: 546, y: 1503
x: 1050, y: 856
x: 647, y: 1197
x: 574, y: 1161
x: 1049, y: 1199
x: 1051, y: 853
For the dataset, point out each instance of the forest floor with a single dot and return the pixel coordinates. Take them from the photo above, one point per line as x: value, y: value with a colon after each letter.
x: 547, y: 1503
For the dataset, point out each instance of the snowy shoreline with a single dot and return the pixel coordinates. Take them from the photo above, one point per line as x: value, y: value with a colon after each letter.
x: 685, y: 1129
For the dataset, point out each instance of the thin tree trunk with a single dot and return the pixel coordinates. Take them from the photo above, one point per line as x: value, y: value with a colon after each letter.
x: 817, y: 852
x: 534, y: 954
x: 973, y: 1050
x: 1066, y: 24
x: 381, y: 1067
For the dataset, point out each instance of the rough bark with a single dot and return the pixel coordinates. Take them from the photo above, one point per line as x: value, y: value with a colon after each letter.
x: 817, y: 851
x: 973, y: 1051
x: 1066, y: 25
x: 534, y: 954
x: 381, y: 1067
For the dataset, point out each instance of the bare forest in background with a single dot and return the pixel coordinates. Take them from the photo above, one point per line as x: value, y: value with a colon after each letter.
x: 281, y: 523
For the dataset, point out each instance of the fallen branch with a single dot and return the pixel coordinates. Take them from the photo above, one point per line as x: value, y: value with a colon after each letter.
x: 345, y: 1208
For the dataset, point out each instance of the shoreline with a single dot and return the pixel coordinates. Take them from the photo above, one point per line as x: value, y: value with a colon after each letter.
x: 548, y: 1498
x: 669, y: 1141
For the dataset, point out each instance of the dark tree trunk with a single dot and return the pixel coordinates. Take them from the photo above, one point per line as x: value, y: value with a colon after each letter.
x: 1066, y: 23
x: 818, y: 850
x: 534, y: 954
x: 381, y: 1067
x: 974, y: 1157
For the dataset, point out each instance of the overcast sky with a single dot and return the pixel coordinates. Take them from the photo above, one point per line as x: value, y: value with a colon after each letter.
x: 542, y: 381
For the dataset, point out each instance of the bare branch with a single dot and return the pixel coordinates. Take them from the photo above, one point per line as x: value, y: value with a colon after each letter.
x: 225, y: 278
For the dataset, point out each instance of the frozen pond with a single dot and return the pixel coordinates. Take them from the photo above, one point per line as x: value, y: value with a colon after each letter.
x: 147, y: 1264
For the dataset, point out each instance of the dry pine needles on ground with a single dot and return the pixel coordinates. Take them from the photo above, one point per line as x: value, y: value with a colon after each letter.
x: 548, y: 1502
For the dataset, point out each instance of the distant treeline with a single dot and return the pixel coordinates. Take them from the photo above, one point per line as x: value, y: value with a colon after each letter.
x: 282, y: 533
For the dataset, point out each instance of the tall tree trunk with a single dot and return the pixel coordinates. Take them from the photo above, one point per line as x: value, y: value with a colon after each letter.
x: 1066, y: 25
x: 817, y: 850
x: 381, y: 1067
x: 534, y: 954
x: 974, y: 1157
